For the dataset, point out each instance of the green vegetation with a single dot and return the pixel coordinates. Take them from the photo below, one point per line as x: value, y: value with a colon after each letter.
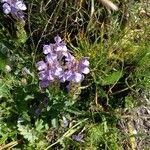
x: 103, y: 110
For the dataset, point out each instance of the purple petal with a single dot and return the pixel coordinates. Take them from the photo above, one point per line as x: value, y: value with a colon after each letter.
x: 77, y: 77
x: 50, y: 76
x: 85, y: 70
x: 58, y: 72
x: 20, y: 5
x: 62, y: 78
x: 78, y: 137
x: 18, y: 14
x: 69, y: 58
x: 65, y: 121
x: 47, y: 49
x: 84, y: 62
x: 41, y: 65
x: 42, y: 75
x: 7, y: 1
x: 6, y: 8
x: 58, y: 39
x: 61, y: 47
x: 68, y: 75
x: 51, y: 58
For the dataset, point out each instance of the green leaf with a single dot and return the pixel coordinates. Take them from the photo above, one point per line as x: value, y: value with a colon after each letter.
x: 3, y: 56
x: 4, y: 91
x: 129, y: 102
x: 27, y: 132
x: 112, y: 78
x: 54, y: 122
x: 39, y: 125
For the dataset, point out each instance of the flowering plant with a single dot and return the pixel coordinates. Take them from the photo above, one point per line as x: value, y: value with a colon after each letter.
x: 60, y: 65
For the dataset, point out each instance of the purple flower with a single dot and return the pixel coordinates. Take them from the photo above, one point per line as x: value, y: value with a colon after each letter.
x: 57, y: 39
x: 51, y: 59
x: 42, y: 75
x: 50, y: 76
x: 54, y: 65
x: 74, y: 76
x: 19, y: 5
x: 60, y: 47
x: 84, y: 65
x: 6, y: 8
x: 41, y: 65
x: 76, y: 69
x: 69, y: 58
x: 49, y: 70
x: 58, y: 71
x: 47, y: 49
x: 78, y: 138
x: 65, y: 122
x: 15, y: 7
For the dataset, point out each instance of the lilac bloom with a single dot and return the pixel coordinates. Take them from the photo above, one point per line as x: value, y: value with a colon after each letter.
x: 74, y: 76
x: 20, y: 5
x: 84, y: 70
x: 76, y: 69
x: 7, y: 1
x: 6, y: 8
x: 41, y: 65
x: 54, y: 65
x: 67, y: 75
x: 42, y: 75
x: 54, y: 68
x: 60, y: 47
x: 57, y: 39
x: 62, y: 78
x: 15, y: 7
x: 58, y: 71
x: 78, y: 138
x: 85, y: 61
x: 84, y: 66
x: 51, y: 59
x: 65, y: 122
x: 50, y: 76
x: 47, y: 49
x: 69, y: 58
x: 49, y: 70
x: 18, y: 14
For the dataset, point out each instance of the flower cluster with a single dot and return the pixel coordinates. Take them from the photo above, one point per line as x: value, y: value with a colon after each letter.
x: 60, y: 65
x: 14, y: 7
